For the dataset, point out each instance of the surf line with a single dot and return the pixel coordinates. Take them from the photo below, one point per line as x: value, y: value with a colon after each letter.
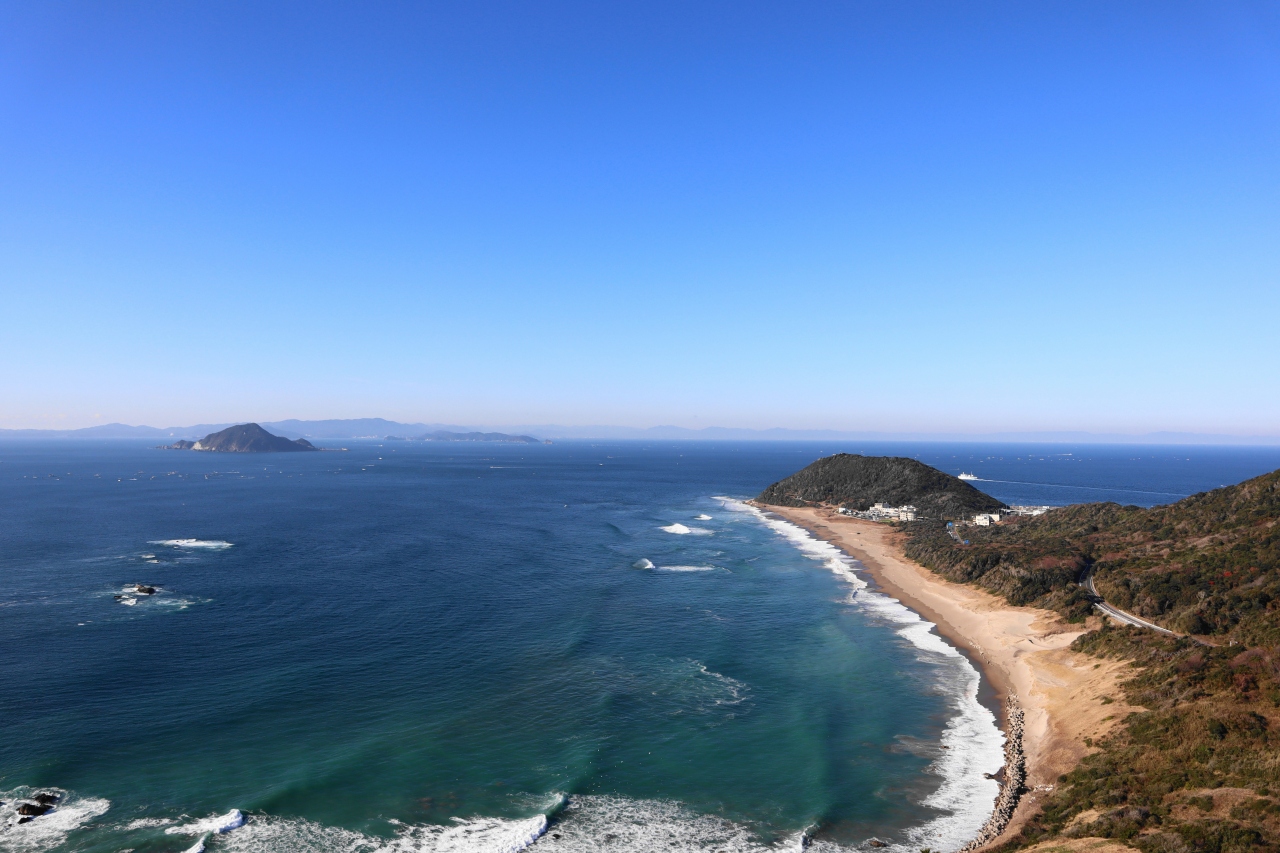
x: 972, y: 815
x: 1015, y: 779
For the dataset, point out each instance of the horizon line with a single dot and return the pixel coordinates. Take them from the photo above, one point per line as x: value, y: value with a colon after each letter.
x: 333, y: 428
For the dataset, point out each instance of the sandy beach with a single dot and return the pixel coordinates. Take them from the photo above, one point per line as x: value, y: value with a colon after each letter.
x: 1023, y: 651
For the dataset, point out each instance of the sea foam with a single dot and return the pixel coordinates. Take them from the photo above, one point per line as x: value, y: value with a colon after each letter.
x: 233, y: 819
x: 50, y: 829
x: 684, y: 530
x: 479, y: 835
x: 974, y: 743
x: 210, y: 544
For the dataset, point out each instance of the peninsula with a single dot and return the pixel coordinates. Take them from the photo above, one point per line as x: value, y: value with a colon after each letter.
x: 243, y: 438
x: 1158, y: 735
x: 856, y: 482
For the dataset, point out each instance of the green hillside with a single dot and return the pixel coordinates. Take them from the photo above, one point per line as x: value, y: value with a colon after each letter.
x: 857, y: 482
x: 1198, y: 771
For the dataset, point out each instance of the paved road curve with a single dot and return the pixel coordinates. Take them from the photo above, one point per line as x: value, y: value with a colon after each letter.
x: 1120, y: 615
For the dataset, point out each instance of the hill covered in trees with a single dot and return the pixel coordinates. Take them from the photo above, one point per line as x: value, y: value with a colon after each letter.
x: 1199, y: 770
x: 856, y: 482
x: 244, y: 438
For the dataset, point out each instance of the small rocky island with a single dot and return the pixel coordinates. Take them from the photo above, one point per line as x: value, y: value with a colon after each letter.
x: 856, y: 482
x: 243, y: 438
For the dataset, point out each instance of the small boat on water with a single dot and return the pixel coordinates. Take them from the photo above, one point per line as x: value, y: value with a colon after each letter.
x: 963, y: 476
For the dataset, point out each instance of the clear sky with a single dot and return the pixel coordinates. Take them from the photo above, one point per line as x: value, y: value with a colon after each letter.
x: 849, y: 215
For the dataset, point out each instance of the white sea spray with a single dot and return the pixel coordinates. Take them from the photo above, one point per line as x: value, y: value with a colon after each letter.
x: 50, y: 829
x: 974, y: 743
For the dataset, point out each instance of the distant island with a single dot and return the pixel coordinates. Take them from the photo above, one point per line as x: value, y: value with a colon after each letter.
x: 243, y: 438
x: 858, y: 482
x: 442, y: 435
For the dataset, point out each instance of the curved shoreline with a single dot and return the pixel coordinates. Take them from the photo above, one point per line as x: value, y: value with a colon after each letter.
x: 1023, y: 653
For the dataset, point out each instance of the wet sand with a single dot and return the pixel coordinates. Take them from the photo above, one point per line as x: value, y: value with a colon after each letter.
x: 1021, y: 650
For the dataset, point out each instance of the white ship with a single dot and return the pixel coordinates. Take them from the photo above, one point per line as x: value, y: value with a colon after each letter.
x: 964, y: 476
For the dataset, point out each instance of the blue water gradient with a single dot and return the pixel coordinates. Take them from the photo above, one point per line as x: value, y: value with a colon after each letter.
x: 360, y: 648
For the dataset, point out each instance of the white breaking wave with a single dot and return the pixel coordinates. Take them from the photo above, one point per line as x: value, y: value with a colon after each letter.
x: 702, y: 517
x: 619, y: 825
x: 685, y: 568
x: 642, y: 563
x: 198, y: 847
x: 233, y: 819
x: 211, y: 544
x: 50, y: 829
x: 294, y: 835
x: 974, y: 743
x: 683, y: 530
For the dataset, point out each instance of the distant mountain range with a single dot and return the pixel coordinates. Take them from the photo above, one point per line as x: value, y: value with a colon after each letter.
x: 380, y: 428
x: 445, y: 435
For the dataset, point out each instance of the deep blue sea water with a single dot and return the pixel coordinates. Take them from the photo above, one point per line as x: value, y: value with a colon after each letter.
x: 478, y: 647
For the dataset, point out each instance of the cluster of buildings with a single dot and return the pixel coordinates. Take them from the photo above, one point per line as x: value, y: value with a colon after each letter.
x: 986, y: 519
x: 882, y: 512
x: 1029, y: 510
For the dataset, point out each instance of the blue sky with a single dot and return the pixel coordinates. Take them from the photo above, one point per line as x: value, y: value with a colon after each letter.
x: 862, y: 216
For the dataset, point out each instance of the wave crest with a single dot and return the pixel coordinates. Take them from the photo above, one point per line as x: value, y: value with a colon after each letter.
x: 209, y: 544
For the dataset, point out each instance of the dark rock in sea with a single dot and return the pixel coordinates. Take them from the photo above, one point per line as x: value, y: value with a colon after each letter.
x: 857, y: 482
x: 25, y: 819
x: 33, y: 809
x: 142, y: 589
x: 47, y: 798
x: 244, y: 438
x: 876, y: 842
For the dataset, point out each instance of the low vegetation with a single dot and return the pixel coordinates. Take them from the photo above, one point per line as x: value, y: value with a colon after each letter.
x: 1198, y: 770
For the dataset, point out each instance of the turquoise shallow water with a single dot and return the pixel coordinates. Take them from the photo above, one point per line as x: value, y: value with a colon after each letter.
x: 445, y: 647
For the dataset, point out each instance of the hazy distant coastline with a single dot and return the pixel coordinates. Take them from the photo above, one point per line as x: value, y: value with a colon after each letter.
x: 380, y: 428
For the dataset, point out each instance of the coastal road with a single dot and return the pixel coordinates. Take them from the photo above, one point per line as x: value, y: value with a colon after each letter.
x: 1118, y: 614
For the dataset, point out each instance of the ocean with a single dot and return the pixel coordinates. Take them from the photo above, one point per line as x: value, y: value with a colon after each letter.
x: 479, y: 647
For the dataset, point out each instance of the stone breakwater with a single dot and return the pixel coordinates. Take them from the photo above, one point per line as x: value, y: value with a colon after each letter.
x: 1015, y: 778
